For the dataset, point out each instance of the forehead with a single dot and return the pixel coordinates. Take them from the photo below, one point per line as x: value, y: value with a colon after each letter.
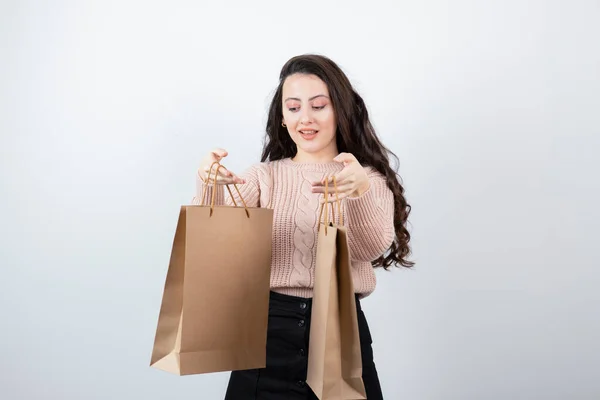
x: 303, y: 86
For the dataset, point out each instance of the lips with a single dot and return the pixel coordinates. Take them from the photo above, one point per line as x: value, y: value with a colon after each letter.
x: 308, y: 134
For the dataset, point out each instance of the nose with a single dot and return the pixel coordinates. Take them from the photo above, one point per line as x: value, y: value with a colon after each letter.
x: 305, y: 116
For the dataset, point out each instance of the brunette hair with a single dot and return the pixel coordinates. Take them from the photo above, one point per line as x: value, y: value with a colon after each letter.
x: 355, y: 135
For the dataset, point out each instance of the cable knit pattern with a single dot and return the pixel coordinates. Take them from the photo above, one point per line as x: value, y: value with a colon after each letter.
x: 305, y: 221
x: 285, y: 186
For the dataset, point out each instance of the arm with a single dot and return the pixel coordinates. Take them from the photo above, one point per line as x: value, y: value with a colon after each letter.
x: 370, y: 220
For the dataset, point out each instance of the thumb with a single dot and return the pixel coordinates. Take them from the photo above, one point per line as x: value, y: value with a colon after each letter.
x: 219, y: 153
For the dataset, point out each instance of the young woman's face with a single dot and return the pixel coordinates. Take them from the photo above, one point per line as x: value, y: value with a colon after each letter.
x: 310, y: 118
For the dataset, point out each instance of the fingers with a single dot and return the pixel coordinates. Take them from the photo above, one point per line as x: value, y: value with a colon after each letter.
x: 228, y: 181
x: 341, y: 189
x: 346, y: 174
x: 345, y: 158
x: 218, y: 154
x: 224, y: 176
x: 344, y: 177
x: 209, y: 168
x: 215, y: 155
x: 345, y: 181
x: 213, y: 168
x: 225, y: 180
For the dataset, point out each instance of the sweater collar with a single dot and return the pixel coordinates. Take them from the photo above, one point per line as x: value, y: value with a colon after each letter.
x: 312, y: 166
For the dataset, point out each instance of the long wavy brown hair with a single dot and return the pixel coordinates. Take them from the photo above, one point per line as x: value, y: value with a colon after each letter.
x: 355, y: 135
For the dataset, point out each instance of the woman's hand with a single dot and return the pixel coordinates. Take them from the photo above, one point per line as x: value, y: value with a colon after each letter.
x: 352, y: 181
x: 225, y: 176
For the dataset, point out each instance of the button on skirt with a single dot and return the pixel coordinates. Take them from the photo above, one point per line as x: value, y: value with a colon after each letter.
x: 284, y: 377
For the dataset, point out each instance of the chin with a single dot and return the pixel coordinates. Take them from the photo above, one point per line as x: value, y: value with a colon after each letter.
x: 312, y: 149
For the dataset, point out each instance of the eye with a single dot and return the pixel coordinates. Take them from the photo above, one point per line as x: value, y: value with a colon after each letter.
x: 293, y: 109
x: 318, y: 107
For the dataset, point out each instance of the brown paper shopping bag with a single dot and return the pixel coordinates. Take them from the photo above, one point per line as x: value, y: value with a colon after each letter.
x: 334, y: 354
x: 214, y: 310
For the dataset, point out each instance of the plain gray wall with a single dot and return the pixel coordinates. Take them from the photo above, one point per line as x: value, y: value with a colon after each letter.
x: 107, y: 107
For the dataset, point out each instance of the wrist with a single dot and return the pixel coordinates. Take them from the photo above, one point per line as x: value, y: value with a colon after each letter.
x: 361, y: 189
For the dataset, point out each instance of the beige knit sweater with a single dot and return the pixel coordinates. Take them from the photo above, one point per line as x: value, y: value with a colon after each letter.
x: 285, y: 186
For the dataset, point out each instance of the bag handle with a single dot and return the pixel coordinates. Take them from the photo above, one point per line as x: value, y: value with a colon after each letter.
x: 325, y: 206
x: 207, y: 182
x: 212, y: 202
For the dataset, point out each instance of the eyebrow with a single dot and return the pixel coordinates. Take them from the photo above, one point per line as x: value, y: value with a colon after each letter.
x: 311, y: 99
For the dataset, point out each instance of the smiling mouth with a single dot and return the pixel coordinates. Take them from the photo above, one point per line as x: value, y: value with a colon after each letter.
x: 308, y: 132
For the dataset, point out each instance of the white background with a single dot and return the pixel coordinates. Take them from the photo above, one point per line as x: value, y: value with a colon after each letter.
x: 107, y: 107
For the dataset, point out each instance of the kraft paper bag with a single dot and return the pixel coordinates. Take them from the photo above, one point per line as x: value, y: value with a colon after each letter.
x: 334, y: 354
x: 214, y: 310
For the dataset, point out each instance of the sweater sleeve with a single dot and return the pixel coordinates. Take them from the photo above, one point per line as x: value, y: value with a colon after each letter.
x: 255, y: 177
x: 370, y: 220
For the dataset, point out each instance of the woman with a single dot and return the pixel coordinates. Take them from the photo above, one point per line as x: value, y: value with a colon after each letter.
x: 318, y: 127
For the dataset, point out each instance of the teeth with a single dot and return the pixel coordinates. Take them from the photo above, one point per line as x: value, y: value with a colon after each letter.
x: 307, y: 132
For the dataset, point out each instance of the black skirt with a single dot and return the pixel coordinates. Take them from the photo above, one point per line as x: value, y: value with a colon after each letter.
x: 287, y: 349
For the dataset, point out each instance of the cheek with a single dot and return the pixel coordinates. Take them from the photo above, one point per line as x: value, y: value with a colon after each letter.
x: 291, y: 119
x: 328, y: 120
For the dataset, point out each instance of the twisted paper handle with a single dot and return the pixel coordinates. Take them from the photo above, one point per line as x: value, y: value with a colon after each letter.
x: 208, y: 181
